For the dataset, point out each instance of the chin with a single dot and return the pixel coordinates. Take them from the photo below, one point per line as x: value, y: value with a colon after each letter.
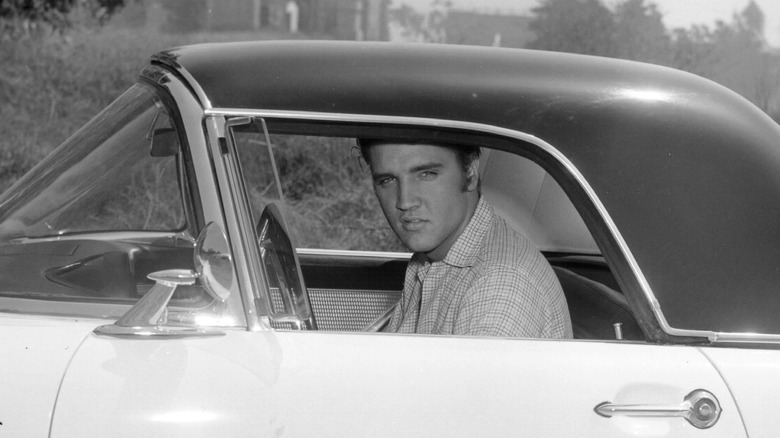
x: 416, y: 246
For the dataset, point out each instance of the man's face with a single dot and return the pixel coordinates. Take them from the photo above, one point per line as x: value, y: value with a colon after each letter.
x: 424, y: 194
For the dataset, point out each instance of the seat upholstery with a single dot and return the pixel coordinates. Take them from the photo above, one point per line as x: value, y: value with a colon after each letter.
x: 594, y: 308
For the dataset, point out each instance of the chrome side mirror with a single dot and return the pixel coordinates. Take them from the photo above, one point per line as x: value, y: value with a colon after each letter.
x: 147, y: 318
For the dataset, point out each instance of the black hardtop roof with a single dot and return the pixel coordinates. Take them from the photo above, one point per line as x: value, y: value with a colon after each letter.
x: 469, y: 83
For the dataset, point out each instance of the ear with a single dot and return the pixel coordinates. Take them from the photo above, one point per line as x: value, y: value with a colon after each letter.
x: 472, y: 176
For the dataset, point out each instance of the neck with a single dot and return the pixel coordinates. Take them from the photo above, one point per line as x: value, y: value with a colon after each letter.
x: 440, y: 252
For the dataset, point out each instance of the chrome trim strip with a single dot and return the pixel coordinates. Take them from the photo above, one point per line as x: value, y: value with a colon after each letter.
x: 354, y: 254
x: 744, y: 338
x: 505, y: 132
x: 128, y: 236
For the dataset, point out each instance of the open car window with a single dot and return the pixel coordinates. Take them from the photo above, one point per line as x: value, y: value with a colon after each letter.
x: 352, y: 263
x: 329, y: 200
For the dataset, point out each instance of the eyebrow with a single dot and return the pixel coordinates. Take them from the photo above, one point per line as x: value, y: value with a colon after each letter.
x: 426, y: 166
x: 419, y: 168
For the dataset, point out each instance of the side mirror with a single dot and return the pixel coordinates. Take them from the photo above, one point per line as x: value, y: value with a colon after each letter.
x: 164, y: 143
x: 162, y: 136
x: 147, y: 317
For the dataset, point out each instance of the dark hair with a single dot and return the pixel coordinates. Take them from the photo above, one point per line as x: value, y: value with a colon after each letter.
x: 466, y: 154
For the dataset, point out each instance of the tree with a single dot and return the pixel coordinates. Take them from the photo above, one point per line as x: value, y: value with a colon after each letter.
x: 635, y: 30
x: 575, y: 26
x: 53, y: 13
x: 753, y: 18
x: 428, y: 28
x: 692, y: 50
x: 732, y: 54
x: 640, y: 33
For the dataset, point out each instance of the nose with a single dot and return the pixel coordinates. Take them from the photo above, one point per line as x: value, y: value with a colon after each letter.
x: 407, y: 196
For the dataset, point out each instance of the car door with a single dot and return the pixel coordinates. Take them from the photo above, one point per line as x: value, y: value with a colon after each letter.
x: 298, y: 383
x: 410, y: 385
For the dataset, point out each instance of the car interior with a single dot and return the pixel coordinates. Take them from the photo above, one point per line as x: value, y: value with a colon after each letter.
x: 352, y: 290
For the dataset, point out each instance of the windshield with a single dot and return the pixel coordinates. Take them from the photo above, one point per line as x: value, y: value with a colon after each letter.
x: 103, y: 178
x: 81, y: 232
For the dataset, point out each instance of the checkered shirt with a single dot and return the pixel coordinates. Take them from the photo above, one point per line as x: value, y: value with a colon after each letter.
x: 493, y: 282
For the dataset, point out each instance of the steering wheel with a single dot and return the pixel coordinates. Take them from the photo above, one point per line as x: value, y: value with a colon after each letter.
x: 283, y: 272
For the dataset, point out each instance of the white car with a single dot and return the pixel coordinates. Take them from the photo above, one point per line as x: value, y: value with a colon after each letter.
x: 206, y: 256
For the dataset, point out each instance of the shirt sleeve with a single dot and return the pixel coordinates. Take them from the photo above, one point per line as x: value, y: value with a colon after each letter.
x: 503, y: 302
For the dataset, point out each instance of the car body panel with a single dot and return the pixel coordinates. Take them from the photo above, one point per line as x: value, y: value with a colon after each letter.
x: 211, y: 386
x: 754, y: 379
x: 34, y: 355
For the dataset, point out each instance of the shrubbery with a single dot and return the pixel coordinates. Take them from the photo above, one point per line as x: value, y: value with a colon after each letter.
x: 51, y: 85
x: 329, y: 194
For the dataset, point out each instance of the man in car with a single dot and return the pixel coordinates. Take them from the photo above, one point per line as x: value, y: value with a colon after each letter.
x: 470, y: 273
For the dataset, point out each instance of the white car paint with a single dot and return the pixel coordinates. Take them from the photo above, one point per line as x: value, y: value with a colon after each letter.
x: 754, y: 378
x: 35, y: 352
x: 265, y: 384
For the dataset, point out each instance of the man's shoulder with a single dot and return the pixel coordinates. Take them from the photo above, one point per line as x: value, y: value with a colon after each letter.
x: 489, y: 242
x: 503, y: 243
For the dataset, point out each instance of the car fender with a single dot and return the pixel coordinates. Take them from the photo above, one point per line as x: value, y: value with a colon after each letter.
x: 172, y: 387
x: 752, y: 376
x: 35, y: 353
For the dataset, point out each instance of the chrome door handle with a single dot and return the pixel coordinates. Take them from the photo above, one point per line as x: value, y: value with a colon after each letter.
x: 700, y: 408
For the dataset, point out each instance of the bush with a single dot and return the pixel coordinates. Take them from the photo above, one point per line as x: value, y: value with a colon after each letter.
x: 330, y: 199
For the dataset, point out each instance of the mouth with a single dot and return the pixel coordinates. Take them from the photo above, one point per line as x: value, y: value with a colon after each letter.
x: 412, y: 223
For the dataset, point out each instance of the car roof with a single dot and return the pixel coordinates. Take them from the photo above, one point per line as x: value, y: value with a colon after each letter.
x: 688, y: 170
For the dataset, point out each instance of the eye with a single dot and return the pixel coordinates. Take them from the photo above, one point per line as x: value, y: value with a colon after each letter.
x: 382, y: 182
x: 428, y: 175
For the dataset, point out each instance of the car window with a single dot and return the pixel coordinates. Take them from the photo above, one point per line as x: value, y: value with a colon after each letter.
x: 329, y: 203
x: 328, y: 199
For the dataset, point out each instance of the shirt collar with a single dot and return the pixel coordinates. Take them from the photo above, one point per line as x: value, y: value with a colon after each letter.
x: 464, y: 252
